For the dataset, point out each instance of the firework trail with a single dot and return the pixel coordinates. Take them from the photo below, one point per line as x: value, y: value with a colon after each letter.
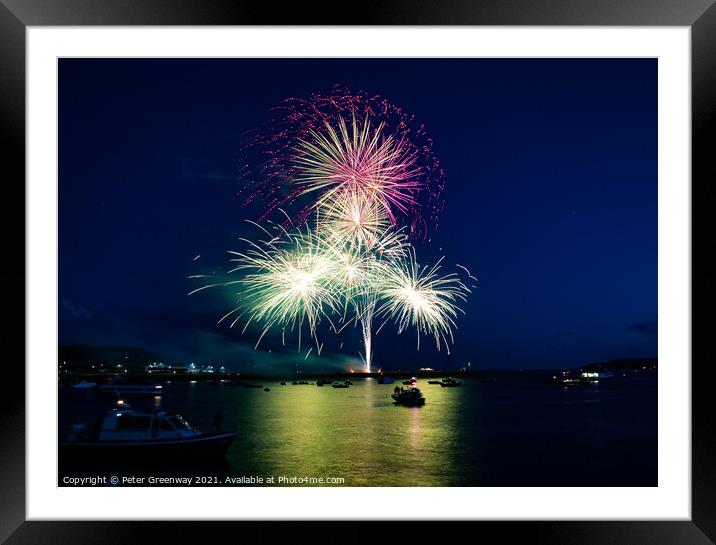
x: 268, y: 165
x: 360, y: 265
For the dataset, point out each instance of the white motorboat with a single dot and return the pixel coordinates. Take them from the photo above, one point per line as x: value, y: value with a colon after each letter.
x: 124, y: 432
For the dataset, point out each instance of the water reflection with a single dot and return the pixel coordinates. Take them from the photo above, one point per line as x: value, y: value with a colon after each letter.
x: 515, y: 431
x: 356, y: 433
x: 415, y: 427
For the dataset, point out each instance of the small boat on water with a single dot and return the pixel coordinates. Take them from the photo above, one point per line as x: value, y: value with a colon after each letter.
x: 125, y: 433
x: 412, y: 397
x: 411, y: 382
x: 118, y: 389
x: 344, y: 385
x: 267, y: 389
x: 283, y: 383
x: 450, y: 383
x: 434, y: 382
x: 348, y: 382
x: 594, y: 377
x: 297, y: 383
x: 322, y: 382
x: 584, y: 378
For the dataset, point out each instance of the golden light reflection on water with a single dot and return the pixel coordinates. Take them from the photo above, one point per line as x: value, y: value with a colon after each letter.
x: 415, y: 433
x: 356, y: 433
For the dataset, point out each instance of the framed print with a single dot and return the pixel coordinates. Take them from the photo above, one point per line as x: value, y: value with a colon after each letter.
x: 428, y: 267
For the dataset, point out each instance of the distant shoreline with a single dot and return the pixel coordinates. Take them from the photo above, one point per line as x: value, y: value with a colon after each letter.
x: 158, y: 376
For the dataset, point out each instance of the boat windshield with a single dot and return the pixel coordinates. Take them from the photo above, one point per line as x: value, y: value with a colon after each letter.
x: 133, y: 422
x: 179, y: 422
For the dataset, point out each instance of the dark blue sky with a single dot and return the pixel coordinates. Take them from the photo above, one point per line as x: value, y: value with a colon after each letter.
x: 551, y: 201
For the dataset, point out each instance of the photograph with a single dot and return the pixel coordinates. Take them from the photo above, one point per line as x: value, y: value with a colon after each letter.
x: 357, y: 272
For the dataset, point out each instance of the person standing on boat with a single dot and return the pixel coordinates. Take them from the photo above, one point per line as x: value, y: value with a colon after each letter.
x: 217, y: 421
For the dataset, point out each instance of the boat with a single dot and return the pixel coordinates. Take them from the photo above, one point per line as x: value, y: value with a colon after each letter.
x: 411, y: 382
x: 434, y: 382
x: 297, y: 383
x: 267, y: 389
x: 344, y: 385
x: 412, y: 397
x: 84, y: 384
x: 348, y: 382
x: 569, y: 378
x: 322, y: 382
x: 385, y: 380
x: 450, y: 383
x: 125, y: 433
x: 283, y: 383
x: 593, y: 377
x: 129, y: 389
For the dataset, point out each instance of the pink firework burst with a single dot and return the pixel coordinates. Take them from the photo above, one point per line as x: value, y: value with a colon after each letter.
x: 401, y: 158
x: 358, y: 159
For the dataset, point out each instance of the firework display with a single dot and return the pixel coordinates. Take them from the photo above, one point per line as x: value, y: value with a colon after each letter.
x: 271, y: 160
x: 358, y: 162
x: 287, y: 281
x: 418, y: 296
x: 364, y: 185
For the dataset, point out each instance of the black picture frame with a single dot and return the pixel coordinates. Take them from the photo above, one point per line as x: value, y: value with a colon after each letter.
x: 16, y: 15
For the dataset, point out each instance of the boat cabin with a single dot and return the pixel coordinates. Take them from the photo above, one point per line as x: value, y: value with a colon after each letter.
x: 124, y: 425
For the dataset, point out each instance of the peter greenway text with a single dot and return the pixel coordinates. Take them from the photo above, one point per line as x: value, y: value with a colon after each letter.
x: 199, y: 480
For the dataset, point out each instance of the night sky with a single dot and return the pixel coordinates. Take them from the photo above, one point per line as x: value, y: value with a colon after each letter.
x: 551, y: 201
